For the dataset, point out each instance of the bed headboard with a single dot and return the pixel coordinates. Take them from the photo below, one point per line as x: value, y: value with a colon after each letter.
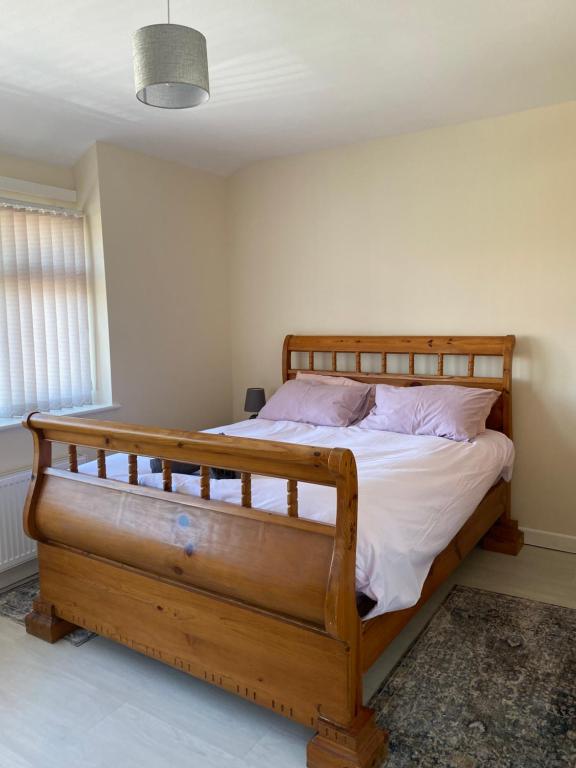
x: 372, y: 356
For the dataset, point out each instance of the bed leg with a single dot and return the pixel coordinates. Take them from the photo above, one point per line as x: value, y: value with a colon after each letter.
x: 362, y: 745
x: 504, y: 537
x: 42, y: 622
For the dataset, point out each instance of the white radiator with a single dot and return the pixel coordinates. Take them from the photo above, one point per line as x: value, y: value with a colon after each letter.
x: 15, y: 547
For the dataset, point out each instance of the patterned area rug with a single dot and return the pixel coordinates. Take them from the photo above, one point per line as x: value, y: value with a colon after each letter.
x: 489, y: 683
x: 15, y: 603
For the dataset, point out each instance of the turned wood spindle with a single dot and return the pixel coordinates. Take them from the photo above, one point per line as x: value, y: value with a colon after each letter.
x: 334, y: 366
x: 311, y: 361
x: 205, y: 482
x: 101, y: 461
x: 293, y: 498
x: 358, y: 362
x: 166, y: 475
x: 383, y: 365
x: 246, y: 479
x: 470, y: 365
x: 411, y: 363
x: 440, y: 371
x: 72, y: 458
x: 132, y: 469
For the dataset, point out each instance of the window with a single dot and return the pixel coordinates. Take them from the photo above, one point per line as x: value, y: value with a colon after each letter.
x: 45, y: 349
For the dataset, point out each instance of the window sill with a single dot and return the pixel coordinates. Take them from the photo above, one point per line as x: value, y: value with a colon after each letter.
x: 83, y: 410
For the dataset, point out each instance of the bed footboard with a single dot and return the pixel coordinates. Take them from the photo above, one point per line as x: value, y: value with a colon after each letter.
x: 259, y: 603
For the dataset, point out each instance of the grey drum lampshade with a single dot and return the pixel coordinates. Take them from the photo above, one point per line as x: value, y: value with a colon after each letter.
x: 255, y: 399
x: 170, y: 66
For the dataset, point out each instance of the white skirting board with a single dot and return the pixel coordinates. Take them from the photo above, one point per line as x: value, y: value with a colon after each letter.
x: 560, y: 541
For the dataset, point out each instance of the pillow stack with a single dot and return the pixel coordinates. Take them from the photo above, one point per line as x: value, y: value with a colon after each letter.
x: 444, y: 410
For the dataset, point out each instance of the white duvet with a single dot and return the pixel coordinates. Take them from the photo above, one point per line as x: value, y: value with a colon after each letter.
x: 414, y: 494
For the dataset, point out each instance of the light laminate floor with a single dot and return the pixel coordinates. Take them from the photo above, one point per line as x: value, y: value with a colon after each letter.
x: 103, y: 705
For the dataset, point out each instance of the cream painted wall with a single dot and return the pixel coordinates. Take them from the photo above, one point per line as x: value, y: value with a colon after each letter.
x: 463, y: 230
x: 167, y: 290
x: 87, y: 181
x: 40, y: 173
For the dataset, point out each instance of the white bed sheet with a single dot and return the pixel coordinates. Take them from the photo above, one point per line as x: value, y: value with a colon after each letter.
x: 415, y: 493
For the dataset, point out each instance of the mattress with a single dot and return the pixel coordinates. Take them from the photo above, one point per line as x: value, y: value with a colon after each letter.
x: 414, y: 494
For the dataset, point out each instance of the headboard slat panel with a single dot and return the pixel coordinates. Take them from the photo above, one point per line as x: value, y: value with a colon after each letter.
x: 471, y: 347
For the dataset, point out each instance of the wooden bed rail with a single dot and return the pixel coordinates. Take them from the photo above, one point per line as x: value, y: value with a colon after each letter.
x: 263, y: 457
x: 194, y: 540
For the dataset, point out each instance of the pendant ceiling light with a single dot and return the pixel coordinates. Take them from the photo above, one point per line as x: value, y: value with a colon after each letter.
x: 170, y: 66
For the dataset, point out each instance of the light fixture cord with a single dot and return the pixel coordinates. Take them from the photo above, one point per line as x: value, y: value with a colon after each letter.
x: 168, y: 3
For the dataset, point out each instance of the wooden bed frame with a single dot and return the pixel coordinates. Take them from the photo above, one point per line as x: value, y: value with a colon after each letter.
x: 258, y: 603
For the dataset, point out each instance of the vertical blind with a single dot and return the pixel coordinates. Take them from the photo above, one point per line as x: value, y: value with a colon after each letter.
x: 45, y: 346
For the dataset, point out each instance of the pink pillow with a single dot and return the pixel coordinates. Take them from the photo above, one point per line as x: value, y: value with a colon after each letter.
x: 319, y: 404
x: 318, y: 378
x: 458, y: 413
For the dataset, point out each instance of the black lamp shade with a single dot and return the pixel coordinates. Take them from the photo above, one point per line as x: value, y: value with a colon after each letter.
x: 255, y: 399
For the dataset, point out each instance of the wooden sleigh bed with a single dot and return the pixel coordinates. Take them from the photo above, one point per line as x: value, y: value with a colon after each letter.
x: 232, y: 599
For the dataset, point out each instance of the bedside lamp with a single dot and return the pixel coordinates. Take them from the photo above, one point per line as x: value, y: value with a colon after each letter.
x: 255, y: 400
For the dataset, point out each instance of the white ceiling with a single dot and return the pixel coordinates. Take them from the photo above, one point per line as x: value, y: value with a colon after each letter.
x: 286, y: 75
